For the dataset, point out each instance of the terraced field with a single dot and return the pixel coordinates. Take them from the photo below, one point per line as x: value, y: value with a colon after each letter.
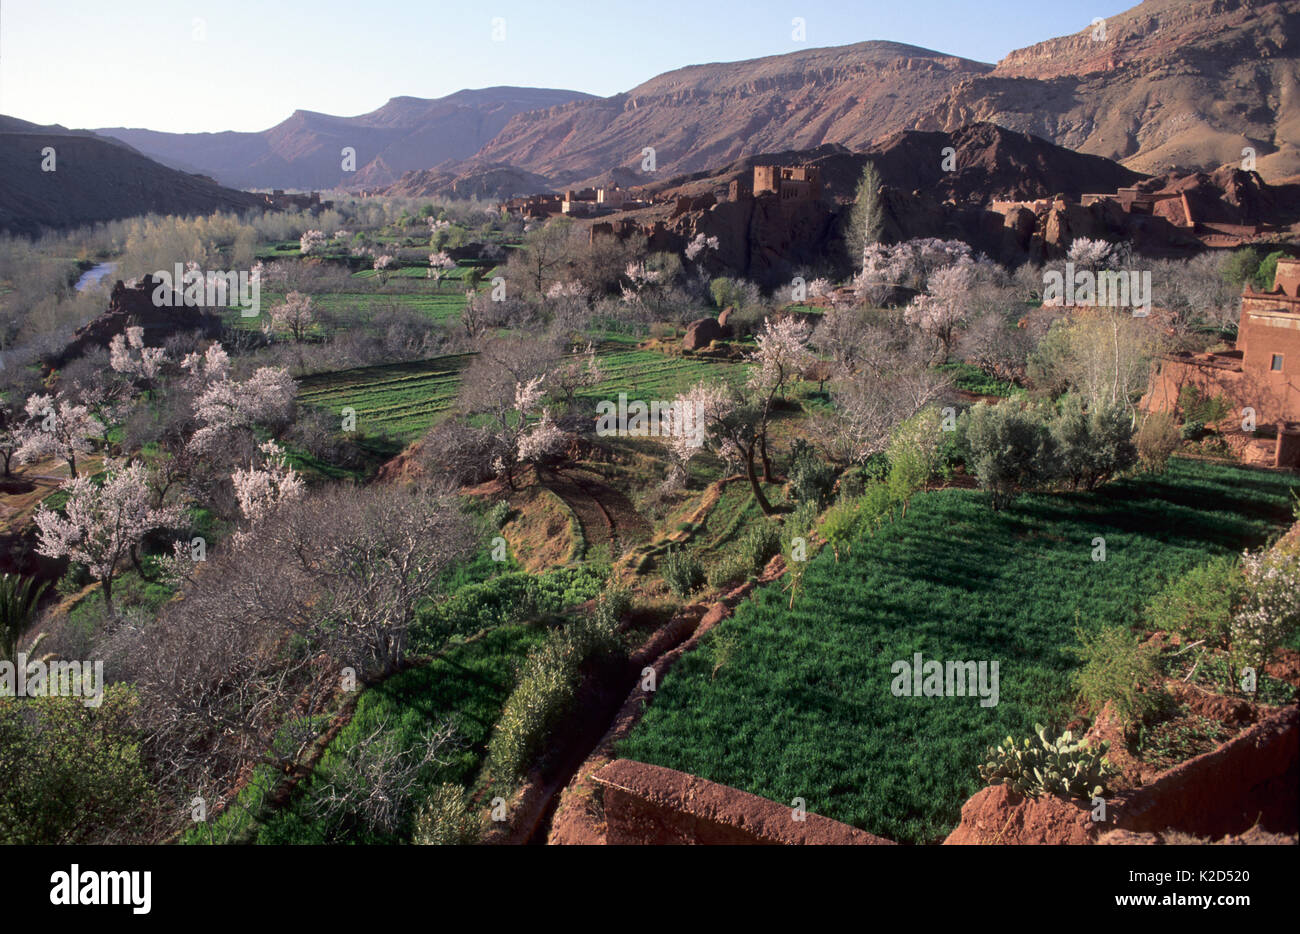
x: 400, y: 400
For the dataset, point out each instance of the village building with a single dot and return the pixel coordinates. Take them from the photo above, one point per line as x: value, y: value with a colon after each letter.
x: 1260, y: 374
x: 280, y: 201
x: 787, y: 182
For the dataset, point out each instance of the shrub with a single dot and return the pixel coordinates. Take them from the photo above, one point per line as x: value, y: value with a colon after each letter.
x: 1197, y: 406
x: 446, y: 819
x: 682, y: 572
x: 1270, y: 613
x: 1157, y: 439
x: 759, y: 543
x: 1061, y: 766
x: 840, y: 524
x: 546, y: 691
x: 733, y: 568
x: 1199, y: 605
x: 1008, y: 448
x: 499, y: 514
x: 1119, y: 668
x: 1090, y: 447
x: 810, y: 476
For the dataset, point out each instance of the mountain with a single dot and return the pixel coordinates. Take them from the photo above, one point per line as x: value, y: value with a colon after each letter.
x: 1185, y: 83
x: 306, y: 150
x: 992, y: 163
x: 706, y: 115
x: 94, y: 179
x: 486, y: 182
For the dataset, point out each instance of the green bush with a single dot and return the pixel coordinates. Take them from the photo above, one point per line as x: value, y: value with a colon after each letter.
x: 1090, y: 447
x: 733, y: 568
x: 504, y: 599
x: 546, y: 691
x: 762, y: 540
x: 1197, y: 406
x: 810, y: 476
x: 499, y: 514
x: 1061, y: 766
x: 1008, y: 449
x: 682, y: 572
x: 1119, y: 668
x: 446, y: 819
x: 1199, y: 605
x: 1157, y: 440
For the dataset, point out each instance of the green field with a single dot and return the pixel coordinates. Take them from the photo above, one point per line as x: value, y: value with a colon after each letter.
x: 801, y: 704
x: 403, y: 400
x: 399, y: 400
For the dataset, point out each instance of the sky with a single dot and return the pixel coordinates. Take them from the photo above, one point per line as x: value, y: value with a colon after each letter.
x: 248, y: 64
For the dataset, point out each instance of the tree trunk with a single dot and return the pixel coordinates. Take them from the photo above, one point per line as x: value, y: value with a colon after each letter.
x: 107, y: 584
x: 763, y: 504
x: 767, y: 461
x: 72, y: 465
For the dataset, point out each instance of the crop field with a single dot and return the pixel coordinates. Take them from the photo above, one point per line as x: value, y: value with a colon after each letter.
x: 403, y: 400
x: 790, y: 703
x: 648, y: 375
x: 399, y: 400
x: 360, y: 306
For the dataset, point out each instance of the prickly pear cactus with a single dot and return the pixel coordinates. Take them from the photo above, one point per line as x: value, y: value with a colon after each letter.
x: 1060, y: 766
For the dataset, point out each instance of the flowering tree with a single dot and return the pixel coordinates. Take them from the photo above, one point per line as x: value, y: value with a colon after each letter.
x: 940, y: 313
x: 128, y: 354
x: 213, y: 365
x: 581, y: 371
x: 542, y: 440
x: 1271, y: 612
x: 1089, y: 254
x: 261, y: 490
x: 382, y: 263
x: 266, y: 398
x: 57, y: 428
x: 698, y: 245
x: 311, y: 242
x: 101, y: 525
x: 294, y: 315
x: 439, y: 263
x: 781, y: 357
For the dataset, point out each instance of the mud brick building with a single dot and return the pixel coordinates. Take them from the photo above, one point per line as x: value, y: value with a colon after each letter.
x: 1262, y: 372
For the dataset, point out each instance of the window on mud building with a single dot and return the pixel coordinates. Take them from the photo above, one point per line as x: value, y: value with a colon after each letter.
x: 1277, y: 363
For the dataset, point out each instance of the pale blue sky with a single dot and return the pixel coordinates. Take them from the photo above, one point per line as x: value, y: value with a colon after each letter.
x: 243, y: 65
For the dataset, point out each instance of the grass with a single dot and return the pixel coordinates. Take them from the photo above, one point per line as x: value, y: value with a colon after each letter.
x: 801, y: 704
x: 403, y: 400
x: 399, y: 400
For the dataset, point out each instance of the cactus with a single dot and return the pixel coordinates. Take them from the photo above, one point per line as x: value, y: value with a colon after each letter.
x: 1062, y: 766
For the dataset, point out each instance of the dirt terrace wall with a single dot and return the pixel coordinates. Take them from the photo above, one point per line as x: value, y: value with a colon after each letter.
x: 651, y: 805
x: 1252, y: 779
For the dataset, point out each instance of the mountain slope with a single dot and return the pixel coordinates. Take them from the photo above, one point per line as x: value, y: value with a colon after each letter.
x: 706, y: 115
x: 1173, y: 83
x: 94, y: 180
x: 305, y: 150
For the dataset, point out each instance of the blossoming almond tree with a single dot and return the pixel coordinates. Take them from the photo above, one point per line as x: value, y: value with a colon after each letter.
x: 781, y: 357
x: 294, y: 315
x: 57, y: 428
x: 128, y: 354
x: 101, y: 525
x: 266, y: 398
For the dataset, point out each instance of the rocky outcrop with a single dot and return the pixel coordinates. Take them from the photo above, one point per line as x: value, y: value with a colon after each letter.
x: 134, y: 306
x: 702, y: 332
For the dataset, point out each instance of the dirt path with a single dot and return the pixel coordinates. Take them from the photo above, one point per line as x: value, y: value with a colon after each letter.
x: 605, y: 514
